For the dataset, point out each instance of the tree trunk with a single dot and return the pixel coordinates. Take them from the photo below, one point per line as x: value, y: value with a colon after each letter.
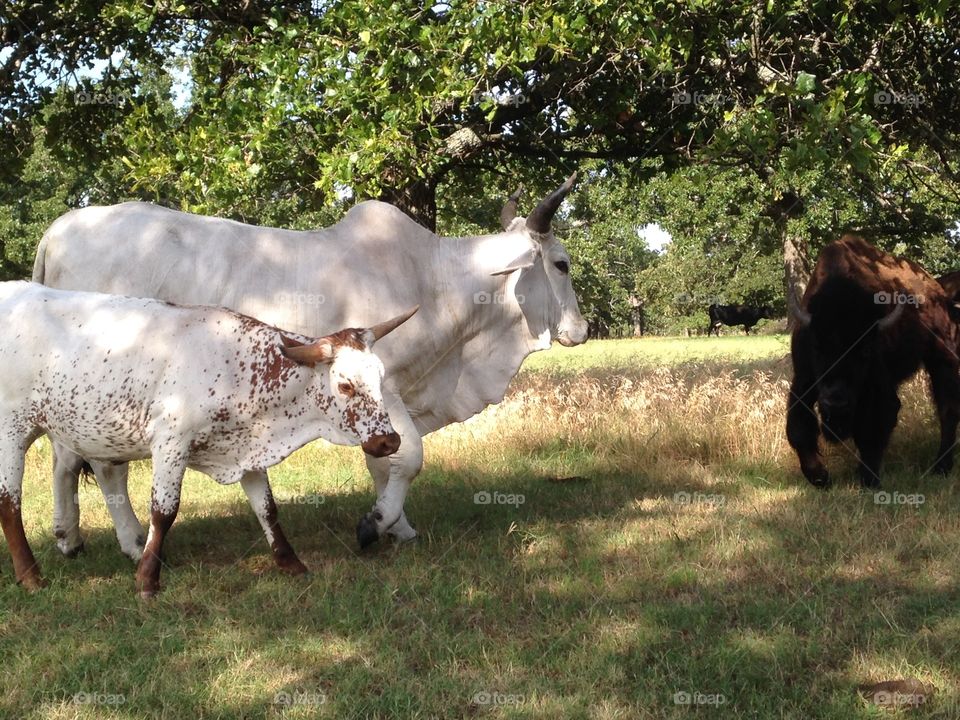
x: 796, y: 259
x: 796, y: 271
x: 417, y: 199
x: 636, y: 307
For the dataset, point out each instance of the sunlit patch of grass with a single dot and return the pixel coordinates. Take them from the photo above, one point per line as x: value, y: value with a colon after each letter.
x: 665, y: 543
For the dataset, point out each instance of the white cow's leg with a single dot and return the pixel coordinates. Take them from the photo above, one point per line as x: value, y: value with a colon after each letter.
x: 113, y: 485
x: 404, y: 466
x: 257, y: 487
x: 168, y: 469
x: 380, y: 470
x: 67, y: 466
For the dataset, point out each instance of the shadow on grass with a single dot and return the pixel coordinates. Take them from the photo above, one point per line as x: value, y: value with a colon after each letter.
x: 618, y: 594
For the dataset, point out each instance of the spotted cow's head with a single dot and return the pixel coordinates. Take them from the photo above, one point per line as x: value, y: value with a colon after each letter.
x: 349, y: 381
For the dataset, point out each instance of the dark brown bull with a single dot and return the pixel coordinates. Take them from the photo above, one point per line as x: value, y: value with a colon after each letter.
x: 867, y: 322
x: 951, y: 285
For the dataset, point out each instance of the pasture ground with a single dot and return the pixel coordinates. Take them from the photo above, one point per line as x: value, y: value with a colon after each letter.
x: 667, y: 561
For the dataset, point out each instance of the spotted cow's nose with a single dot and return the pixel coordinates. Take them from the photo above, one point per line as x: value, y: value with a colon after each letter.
x: 382, y: 445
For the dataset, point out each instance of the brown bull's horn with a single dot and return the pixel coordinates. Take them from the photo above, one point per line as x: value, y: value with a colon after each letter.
x: 801, y: 316
x: 539, y: 220
x: 381, y: 329
x: 509, y: 211
x: 887, y: 322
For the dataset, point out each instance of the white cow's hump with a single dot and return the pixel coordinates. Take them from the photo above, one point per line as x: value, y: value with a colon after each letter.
x: 370, y: 219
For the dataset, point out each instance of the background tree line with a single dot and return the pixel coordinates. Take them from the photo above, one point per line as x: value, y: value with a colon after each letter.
x: 752, y: 132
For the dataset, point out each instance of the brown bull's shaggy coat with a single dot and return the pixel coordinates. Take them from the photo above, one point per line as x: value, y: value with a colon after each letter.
x: 868, y: 321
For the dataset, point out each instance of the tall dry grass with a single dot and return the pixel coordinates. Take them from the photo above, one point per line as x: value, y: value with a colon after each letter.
x: 697, y: 421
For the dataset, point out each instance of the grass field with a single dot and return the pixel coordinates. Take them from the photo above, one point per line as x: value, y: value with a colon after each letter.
x: 660, y: 557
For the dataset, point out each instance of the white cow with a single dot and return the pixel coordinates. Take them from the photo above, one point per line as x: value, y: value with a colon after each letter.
x: 486, y: 303
x: 115, y: 379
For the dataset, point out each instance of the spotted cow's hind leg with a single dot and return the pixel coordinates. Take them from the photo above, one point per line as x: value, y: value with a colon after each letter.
x: 168, y: 469
x: 11, y: 519
x: 256, y: 485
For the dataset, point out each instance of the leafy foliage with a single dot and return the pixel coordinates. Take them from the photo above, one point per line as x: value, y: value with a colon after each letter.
x: 817, y: 117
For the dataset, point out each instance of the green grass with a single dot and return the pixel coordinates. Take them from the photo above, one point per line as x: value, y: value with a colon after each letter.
x: 613, y: 355
x: 602, y: 595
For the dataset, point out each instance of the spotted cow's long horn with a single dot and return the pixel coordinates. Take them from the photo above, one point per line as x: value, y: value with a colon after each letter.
x: 509, y: 211
x: 539, y: 220
x: 381, y: 329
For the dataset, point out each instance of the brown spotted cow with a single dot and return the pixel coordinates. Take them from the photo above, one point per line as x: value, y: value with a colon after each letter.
x: 867, y: 323
x: 116, y: 379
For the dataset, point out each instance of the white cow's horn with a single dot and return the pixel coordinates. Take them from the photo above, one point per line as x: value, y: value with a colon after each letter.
x: 509, y: 211
x: 887, y: 322
x: 381, y: 329
x: 539, y: 220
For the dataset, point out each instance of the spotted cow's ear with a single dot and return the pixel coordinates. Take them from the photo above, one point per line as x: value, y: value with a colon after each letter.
x: 321, y: 351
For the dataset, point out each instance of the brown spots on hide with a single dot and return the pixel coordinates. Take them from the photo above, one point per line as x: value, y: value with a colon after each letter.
x: 271, y: 370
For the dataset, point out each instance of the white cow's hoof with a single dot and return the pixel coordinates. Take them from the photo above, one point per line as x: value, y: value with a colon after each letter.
x: 134, y: 550
x: 70, y: 549
x: 403, y: 535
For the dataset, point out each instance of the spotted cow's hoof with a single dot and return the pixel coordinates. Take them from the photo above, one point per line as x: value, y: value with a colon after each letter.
x: 367, y: 532
x: 33, y: 583
x: 148, y: 595
x: 293, y: 567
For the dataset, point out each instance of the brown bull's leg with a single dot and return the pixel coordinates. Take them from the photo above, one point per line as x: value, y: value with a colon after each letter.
x: 945, y: 386
x: 803, y: 427
x: 873, y: 427
x: 257, y: 488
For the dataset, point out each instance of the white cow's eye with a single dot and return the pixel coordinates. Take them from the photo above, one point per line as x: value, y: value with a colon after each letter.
x: 563, y: 266
x: 347, y: 389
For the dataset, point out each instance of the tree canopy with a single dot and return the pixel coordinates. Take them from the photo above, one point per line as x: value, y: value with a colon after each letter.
x: 752, y: 132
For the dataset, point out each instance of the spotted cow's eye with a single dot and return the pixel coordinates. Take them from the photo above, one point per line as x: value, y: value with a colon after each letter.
x: 563, y: 266
x: 347, y: 389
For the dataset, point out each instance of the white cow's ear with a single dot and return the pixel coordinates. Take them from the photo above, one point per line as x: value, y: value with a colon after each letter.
x: 524, y: 261
x: 321, y: 351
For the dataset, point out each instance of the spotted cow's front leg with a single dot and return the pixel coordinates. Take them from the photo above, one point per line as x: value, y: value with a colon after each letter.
x: 257, y: 487
x: 168, y: 472
x: 11, y: 519
x: 404, y: 465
